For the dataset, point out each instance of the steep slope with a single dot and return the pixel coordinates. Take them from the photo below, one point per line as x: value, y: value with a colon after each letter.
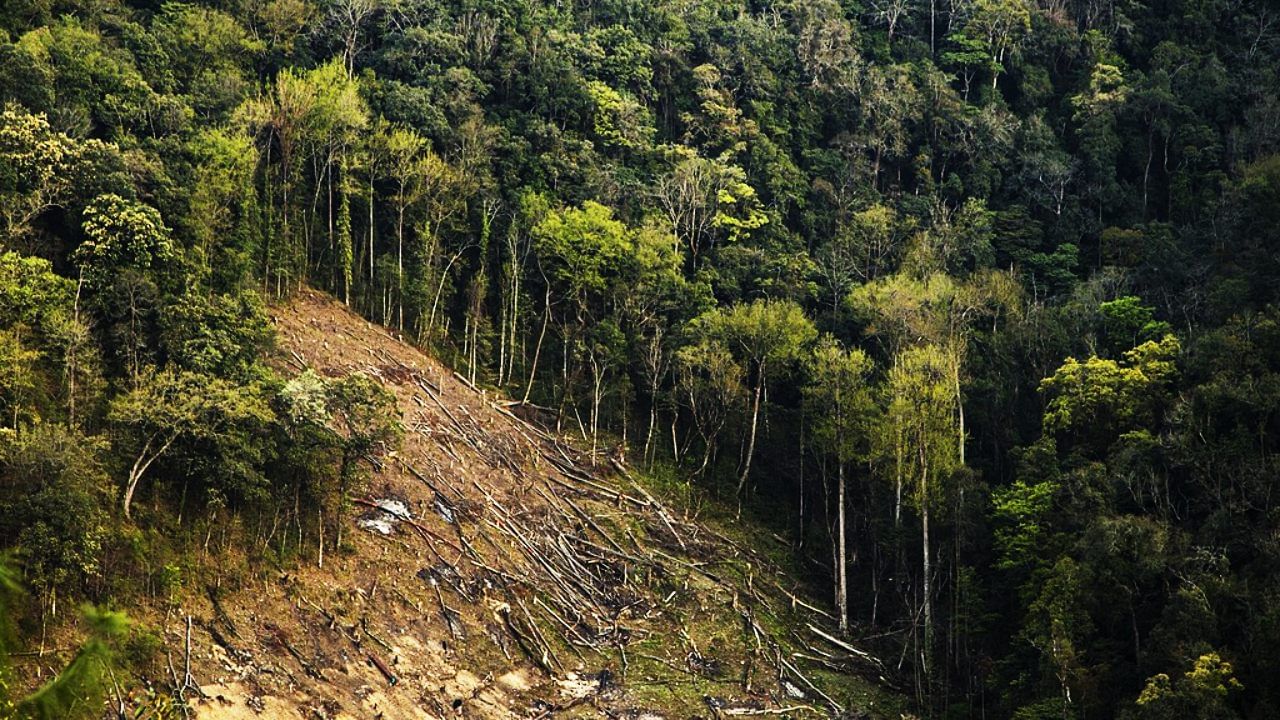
x: 490, y: 571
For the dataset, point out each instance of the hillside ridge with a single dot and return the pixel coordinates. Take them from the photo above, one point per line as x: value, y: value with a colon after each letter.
x: 491, y: 571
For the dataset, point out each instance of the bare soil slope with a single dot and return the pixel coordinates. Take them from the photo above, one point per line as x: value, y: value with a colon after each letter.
x: 491, y: 571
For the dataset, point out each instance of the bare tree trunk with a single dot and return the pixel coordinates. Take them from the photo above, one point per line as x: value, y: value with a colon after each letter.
x: 140, y: 466
x: 371, y: 225
x: 897, y: 502
x: 842, y: 572
x: 648, y: 436
x: 435, y: 301
x: 751, y: 443
x: 675, y: 444
x: 597, y: 383
x: 927, y: 582
x: 400, y: 267
x: 959, y: 412
x: 537, y: 350
x: 71, y: 360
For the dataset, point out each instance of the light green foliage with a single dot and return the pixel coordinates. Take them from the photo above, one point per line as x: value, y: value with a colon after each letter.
x: 17, y: 377
x: 619, y: 120
x: 52, y: 356
x: 346, y: 251
x: 1023, y: 511
x: 701, y: 196
x: 739, y: 211
x: 1201, y: 693
x: 1001, y: 26
x: 919, y: 431
x: 1058, y: 625
x: 589, y: 248
x: 1102, y: 394
x: 967, y: 52
x: 711, y: 386
x: 314, y: 115
x: 121, y: 235
x: 223, y: 198
x: 766, y: 337
x: 95, y: 82
x: 37, y: 171
x: 841, y: 400
x: 337, y: 111
x: 1126, y: 319
x: 305, y: 400
x: 337, y: 426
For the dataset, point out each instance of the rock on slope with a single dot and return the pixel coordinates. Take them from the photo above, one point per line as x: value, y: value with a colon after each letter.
x: 490, y: 571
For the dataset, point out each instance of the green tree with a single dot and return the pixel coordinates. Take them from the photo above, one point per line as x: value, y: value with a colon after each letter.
x: 765, y: 337
x: 1058, y: 625
x: 208, y: 52
x: 353, y: 414
x: 919, y: 440
x: 126, y: 249
x: 173, y: 406
x: 54, y: 509
x: 585, y: 254
x: 1094, y: 399
x: 278, y: 119
x: 1001, y: 26
x: 706, y: 199
x: 37, y: 172
x: 711, y: 384
x: 843, y: 407
x: 121, y: 235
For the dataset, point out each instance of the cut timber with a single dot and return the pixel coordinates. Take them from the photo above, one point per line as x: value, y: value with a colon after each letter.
x: 513, y: 553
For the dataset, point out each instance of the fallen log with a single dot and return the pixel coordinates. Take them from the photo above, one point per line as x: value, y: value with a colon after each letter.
x: 382, y: 668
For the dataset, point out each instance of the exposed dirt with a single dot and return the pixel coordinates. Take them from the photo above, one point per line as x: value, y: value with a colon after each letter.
x: 490, y: 571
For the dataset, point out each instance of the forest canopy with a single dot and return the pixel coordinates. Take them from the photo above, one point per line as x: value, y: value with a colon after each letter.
x: 974, y: 301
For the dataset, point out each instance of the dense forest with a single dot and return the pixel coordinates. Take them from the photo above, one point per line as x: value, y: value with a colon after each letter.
x: 974, y: 301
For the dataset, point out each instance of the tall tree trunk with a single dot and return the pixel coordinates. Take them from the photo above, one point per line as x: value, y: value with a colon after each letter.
x: 537, y: 349
x: 751, y: 442
x: 842, y: 572
x: 400, y: 267
x: 648, y: 436
x: 959, y: 411
x: 435, y: 301
x: 597, y: 385
x: 927, y: 565
x: 140, y: 466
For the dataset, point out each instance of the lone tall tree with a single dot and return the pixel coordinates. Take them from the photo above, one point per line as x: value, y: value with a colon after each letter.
x: 842, y: 406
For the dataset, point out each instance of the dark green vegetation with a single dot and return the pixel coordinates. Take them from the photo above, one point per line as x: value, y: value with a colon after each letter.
x: 975, y: 299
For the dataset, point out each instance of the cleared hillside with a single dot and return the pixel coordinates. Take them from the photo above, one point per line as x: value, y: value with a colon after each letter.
x: 490, y: 571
